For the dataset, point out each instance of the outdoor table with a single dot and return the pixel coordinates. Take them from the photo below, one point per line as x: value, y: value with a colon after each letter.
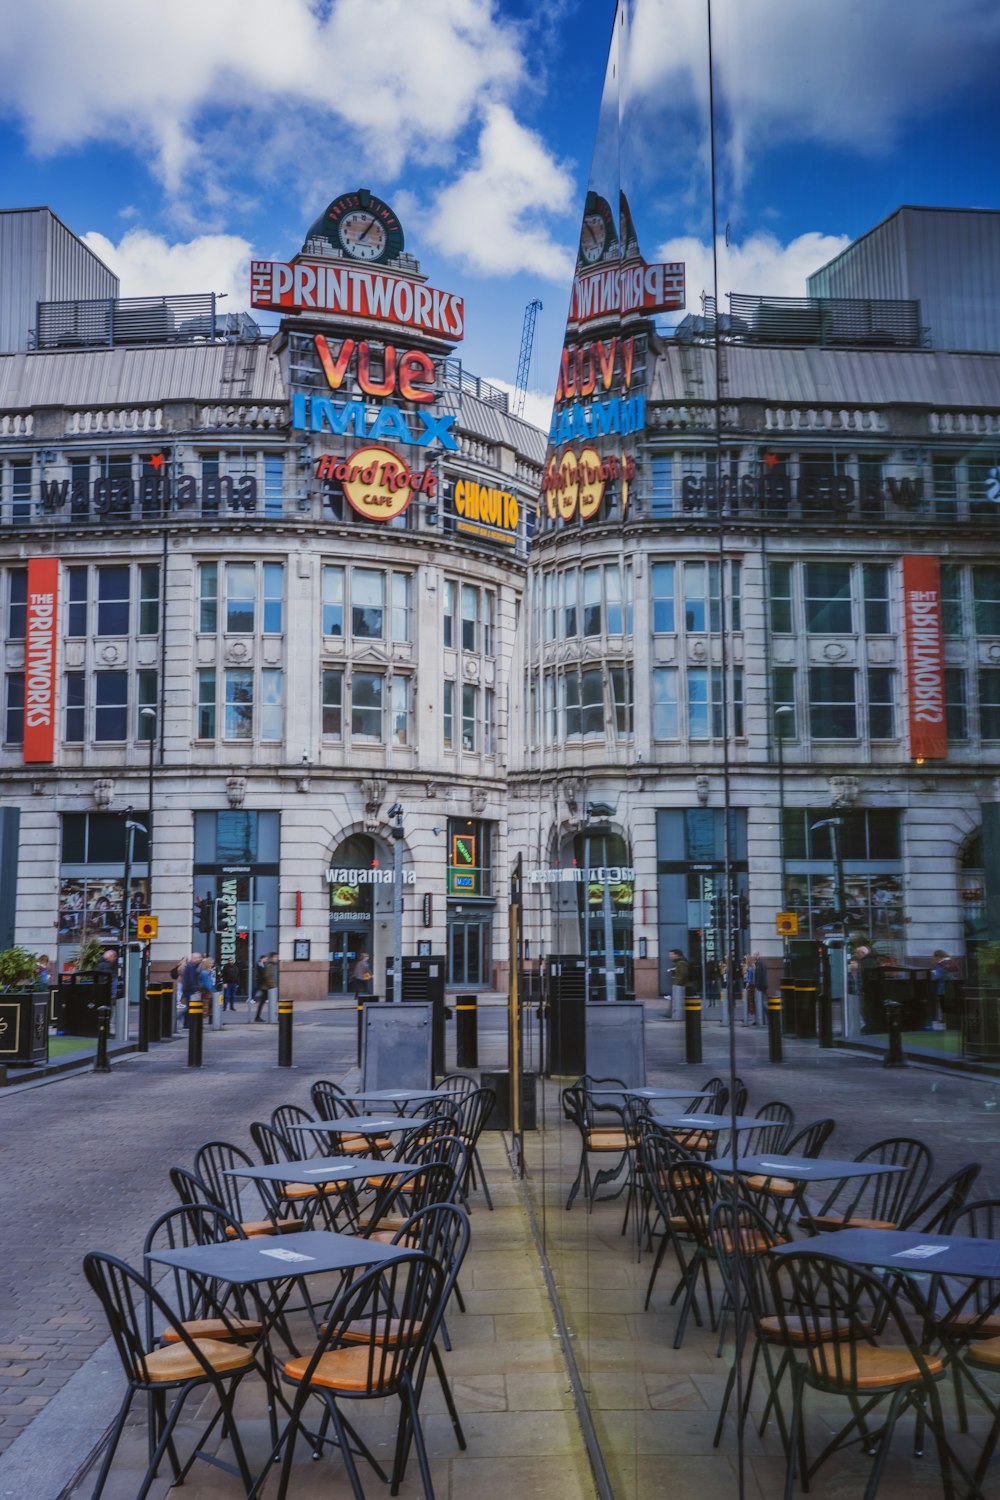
x: 708, y: 1124
x: 319, y: 1170
x: 802, y: 1169
x: 400, y: 1098
x: 651, y: 1094
x: 354, y: 1125
x: 906, y: 1250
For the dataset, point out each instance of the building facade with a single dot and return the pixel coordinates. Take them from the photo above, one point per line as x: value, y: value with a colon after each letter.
x: 266, y: 586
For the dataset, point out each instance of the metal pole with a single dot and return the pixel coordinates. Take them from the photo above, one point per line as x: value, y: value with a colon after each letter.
x: 121, y: 1004
x: 101, y: 1064
x: 610, y: 975
x: 692, y: 1029
x: 781, y: 714
x: 284, y: 1033
x: 586, y: 916
x: 396, y: 812
x: 826, y: 1002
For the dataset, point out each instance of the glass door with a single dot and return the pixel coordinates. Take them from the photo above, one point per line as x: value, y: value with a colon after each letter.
x: 469, y: 941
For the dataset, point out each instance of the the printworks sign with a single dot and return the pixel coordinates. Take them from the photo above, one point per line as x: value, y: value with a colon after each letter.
x: 924, y: 658
x: 346, y: 291
x: 40, y: 660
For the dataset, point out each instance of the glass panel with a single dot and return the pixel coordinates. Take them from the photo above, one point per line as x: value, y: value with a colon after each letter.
x: 366, y: 706
x: 112, y: 601
x: 367, y: 604
x: 333, y: 601
x: 274, y: 592
x: 238, y: 723
x: 241, y: 583
x: 333, y: 705
x: 110, y: 706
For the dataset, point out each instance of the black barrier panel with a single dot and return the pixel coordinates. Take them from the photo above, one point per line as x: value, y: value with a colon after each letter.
x: 24, y: 1027
x: 499, y: 1082
x: 423, y: 980
x: 567, y: 1034
x: 80, y: 997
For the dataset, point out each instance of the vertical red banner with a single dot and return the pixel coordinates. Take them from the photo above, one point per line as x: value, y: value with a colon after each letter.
x: 40, y: 660
x: 924, y: 658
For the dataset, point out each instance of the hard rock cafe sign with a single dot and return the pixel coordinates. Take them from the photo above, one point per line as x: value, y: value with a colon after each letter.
x: 377, y: 483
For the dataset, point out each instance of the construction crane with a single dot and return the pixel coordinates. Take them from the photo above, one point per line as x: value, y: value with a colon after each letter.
x: 524, y: 359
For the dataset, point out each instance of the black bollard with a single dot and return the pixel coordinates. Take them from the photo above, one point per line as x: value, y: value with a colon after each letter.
x: 466, y: 1032
x: 285, y: 1033
x: 101, y: 1064
x: 144, y: 1002
x: 826, y: 1019
x: 789, y: 1008
x: 692, y: 1029
x: 894, y: 1020
x: 774, y: 1044
x: 196, y: 1024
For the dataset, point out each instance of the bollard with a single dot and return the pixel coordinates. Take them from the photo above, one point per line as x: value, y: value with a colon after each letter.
x: 466, y: 1031
x: 774, y: 1047
x: 826, y: 1019
x: 168, y: 1012
x: 806, y: 1007
x: 143, y: 1037
x: 894, y: 1020
x: 692, y: 1029
x: 101, y: 1064
x: 155, y: 1021
x: 196, y: 1023
x: 285, y: 1033
x: 789, y: 1016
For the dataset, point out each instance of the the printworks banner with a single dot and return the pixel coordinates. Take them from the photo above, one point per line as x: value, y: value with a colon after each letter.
x: 924, y: 658
x: 40, y: 661
x: 346, y: 291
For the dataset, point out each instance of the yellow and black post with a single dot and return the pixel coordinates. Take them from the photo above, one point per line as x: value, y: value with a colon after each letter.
x: 466, y: 1031
x: 285, y: 1008
x: 144, y: 1004
x: 101, y: 1064
x: 692, y: 1029
x: 774, y: 1028
x: 196, y: 1024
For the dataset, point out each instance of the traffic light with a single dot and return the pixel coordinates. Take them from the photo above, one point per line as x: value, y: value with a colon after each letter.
x: 203, y: 913
x: 224, y: 916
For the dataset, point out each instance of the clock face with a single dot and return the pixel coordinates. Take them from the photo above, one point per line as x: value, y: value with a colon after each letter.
x: 598, y: 235
x: 593, y: 238
x: 362, y: 235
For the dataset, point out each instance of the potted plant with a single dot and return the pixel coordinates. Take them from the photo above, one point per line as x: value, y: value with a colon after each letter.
x: 24, y: 1010
x: 18, y: 969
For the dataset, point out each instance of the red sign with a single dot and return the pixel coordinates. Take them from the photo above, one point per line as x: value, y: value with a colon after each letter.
x: 377, y: 482
x: 40, y: 660
x: 348, y: 291
x: 632, y: 289
x: 924, y: 658
x: 410, y: 369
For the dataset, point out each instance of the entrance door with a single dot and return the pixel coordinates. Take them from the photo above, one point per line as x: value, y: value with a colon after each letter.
x: 469, y: 944
x: 346, y: 946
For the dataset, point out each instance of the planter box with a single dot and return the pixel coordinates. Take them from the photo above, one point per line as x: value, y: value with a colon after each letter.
x: 24, y: 1027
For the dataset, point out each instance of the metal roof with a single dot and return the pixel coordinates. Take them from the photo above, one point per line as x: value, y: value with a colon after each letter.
x: 844, y: 377
x: 488, y: 422
x: 141, y: 377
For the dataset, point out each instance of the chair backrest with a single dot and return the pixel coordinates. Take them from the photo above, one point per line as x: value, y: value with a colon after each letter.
x: 772, y: 1133
x: 212, y: 1163
x: 450, y: 1149
x: 191, y: 1224
x: 718, y: 1096
x: 736, y: 1225
x: 740, y: 1095
x: 458, y: 1084
x: 329, y: 1100
x: 189, y: 1187
x: 890, y: 1195
x: 440, y: 1230
x: 269, y: 1143
x: 978, y: 1220
x: 656, y: 1153
x: 574, y: 1106
x: 600, y: 1102
x: 692, y: 1188
x: 811, y: 1139
x: 405, y: 1293
x: 943, y: 1202
x: 421, y: 1132
x: 131, y: 1304
x: 298, y: 1143
x: 475, y: 1110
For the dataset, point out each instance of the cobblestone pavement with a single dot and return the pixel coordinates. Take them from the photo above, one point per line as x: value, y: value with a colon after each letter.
x: 86, y: 1156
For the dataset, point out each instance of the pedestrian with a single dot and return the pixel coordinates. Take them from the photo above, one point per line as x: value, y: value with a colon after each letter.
x: 108, y: 964
x: 267, y: 985
x: 205, y: 986
x: 43, y: 971
x: 361, y: 976
x: 759, y: 977
x: 189, y: 986
x: 944, y: 968
x: 230, y: 984
x: 680, y: 974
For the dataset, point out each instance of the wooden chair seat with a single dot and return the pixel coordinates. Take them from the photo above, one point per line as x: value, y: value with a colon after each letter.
x: 827, y: 1223
x: 214, y: 1328
x: 797, y: 1332
x: 874, y: 1369
x: 256, y: 1229
x: 694, y: 1141
x: 340, y: 1370
x: 752, y: 1241
x: 176, y: 1362
x: 987, y: 1328
x: 296, y: 1191
x: 607, y: 1138
x: 778, y: 1187
x: 986, y: 1353
x: 386, y: 1333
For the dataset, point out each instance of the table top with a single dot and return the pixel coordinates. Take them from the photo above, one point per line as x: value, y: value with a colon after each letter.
x: 905, y: 1250
x: 801, y: 1168
x: 708, y: 1123
x: 394, y: 1096
x: 651, y: 1093
x: 355, y: 1125
x: 317, y: 1169
x: 278, y: 1257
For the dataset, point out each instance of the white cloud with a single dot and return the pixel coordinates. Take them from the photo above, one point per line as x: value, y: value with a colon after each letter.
x: 489, y: 217
x: 761, y: 264
x: 537, y: 404
x: 148, y: 265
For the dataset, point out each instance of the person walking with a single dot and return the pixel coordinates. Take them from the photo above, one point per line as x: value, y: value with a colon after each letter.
x: 189, y: 986
x: 759, y: 990
x: 230, y: 984
x: 267, y: 986
x: 361, y: 976
x: 680, y: 974
x: 205, y: 988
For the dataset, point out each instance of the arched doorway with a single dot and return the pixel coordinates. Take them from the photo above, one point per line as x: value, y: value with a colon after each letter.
x: 596, y: 910
x: 360, y: 880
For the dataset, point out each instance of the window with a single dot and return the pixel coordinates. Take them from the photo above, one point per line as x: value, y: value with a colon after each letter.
x: 489, y: 715
x: 333, y: 704
x: 629, y: 598
x: 783, y: 693
x: 944, y: 481
x: 735, y: 596
x: 951, y: 600
x: 702, y: 602
x: 270, y: 704
x: 551, y: 581
x: 274, y: 596
x: 986, y: 600
x: 274, y: 484
x: 662, y: 485
x: 613, y: 598
x: 571, y: 704
x: 663, y: 598
x: 13, y: 728
x: 333, y: 601
x: 208, y: 591
x: 76, y: 699
x: 828, y: 598
x: 448, y: 613
x: 592, y: 703
x: 780, y: 591
x: 592, y: 621
x: 367, y: 605
x: 622, y: 697
x: 832, y: 712
x: 956, y: 703
x: 112, y: 603
x: 149, y: 598
x: 569, y: 603
x: 989, y: 703
x: 876, y: 590
x: 241, y: 580
x: 700, y: 725
x: 881, y: 716
x: 738, y: 727
x: 400, y: 606
x: 238, y: 721
x: 206, y: 703
x: 20, y: 473
x: 551, y: 710
x: 470, y: 715
x: 470, y: 618
x: 147, y: 697
x: 400, y: 710
x: 665, y: 703
x: 489, y: 630
x: 17, y: 602
x: 448, y: 716
x: 366, y: 704
x: 111, y: 706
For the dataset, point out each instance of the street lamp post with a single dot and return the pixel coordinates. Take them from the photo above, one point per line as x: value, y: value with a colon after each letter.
x: 148, y: 716
x: 601, y: 811
x: 396, y: 829
x: 782, y: 714
x: 834, y: 825
x: 121, y: 1009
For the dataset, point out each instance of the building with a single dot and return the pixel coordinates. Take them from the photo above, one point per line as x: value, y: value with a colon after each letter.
x: 270, y: 585
x: 767, y: 578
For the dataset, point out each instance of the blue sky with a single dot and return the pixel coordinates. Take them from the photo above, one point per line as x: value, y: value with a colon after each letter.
x: 183, y: 139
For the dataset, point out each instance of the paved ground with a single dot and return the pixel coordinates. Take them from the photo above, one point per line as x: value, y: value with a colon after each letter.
x: 85, y: 1166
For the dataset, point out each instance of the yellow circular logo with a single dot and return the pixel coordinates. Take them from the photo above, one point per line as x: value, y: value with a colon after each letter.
x: 592, y: 482
x: 569, y: 485
x: 377, y: 482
